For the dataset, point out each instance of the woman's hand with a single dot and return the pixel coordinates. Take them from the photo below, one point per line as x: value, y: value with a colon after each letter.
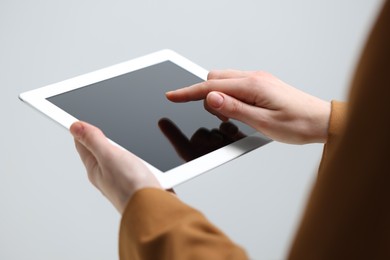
x: 263, y: 102
x: 117, y: 173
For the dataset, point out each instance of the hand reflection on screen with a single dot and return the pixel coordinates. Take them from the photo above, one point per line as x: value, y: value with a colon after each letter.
x: 202, y: 141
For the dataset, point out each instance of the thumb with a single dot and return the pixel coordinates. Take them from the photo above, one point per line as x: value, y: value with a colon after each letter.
x: 90, y: 137
x: 230, y: 107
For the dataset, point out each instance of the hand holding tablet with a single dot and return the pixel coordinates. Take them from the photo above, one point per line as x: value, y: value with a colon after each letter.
x: 117, y: 173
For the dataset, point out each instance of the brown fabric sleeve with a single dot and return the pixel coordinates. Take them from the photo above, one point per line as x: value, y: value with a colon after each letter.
x: 348, y: 213
x: 335, y: 129
x: 157, y: 225
x: 337, y: 119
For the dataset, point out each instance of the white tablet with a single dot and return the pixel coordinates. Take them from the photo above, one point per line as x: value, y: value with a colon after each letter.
x: 177, y: 141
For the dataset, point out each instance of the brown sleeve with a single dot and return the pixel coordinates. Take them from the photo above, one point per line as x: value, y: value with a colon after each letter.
x: 157, y: 225
x: 348, y: 213
x: 335, y: 129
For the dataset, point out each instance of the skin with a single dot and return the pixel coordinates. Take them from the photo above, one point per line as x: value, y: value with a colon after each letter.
x: 258, y: 99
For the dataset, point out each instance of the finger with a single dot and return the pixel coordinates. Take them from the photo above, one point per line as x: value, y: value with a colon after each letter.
x: 212, y: 111
x: 233, y: 108
x: 228, y: 74
x: 176, y: 137
x: 91, y: 137
x: 240, y: 88
x: 84, y: 153
x: 176, y: 95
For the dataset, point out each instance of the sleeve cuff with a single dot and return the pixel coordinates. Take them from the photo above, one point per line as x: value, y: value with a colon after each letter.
x: 337, y: 120
x: 335, y: 129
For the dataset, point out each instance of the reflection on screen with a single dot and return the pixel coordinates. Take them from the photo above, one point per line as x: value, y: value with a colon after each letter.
x: 132, y: 110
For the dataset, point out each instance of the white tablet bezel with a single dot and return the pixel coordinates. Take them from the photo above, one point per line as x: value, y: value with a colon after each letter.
x: 37, y: 98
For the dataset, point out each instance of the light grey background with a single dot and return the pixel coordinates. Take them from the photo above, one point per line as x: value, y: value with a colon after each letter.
x: 48, y: 209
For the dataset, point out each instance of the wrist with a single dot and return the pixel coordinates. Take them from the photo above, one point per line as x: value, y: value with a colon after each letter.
x: 320, y: 122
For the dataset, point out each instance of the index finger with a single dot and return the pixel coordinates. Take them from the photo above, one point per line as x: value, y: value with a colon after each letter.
x: 228, y: 74
x: 199, y: 91
x: 239, y: 88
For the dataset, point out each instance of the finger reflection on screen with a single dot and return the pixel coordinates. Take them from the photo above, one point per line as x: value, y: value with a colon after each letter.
x: 203, y: 141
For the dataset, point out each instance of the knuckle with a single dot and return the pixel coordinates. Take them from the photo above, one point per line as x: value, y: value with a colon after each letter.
x: 205, y: 87
x: 263, y: 74
x: 212, y: 75
x: 254, y: 80
x: 235, y: 108
x: 258, y: 78
x: 260, y: 73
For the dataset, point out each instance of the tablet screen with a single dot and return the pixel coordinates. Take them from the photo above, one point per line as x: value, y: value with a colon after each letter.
x: 132, y: 110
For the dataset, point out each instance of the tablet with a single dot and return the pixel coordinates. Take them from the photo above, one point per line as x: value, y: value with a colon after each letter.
x: 177, y: 141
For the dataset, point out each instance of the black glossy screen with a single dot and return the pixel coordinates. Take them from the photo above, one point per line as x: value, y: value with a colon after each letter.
x: 129, y: 107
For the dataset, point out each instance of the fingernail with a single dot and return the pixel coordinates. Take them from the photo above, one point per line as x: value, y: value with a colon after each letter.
x: 77, y: 129
x: 215, y: 100
x: 169, y: 94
